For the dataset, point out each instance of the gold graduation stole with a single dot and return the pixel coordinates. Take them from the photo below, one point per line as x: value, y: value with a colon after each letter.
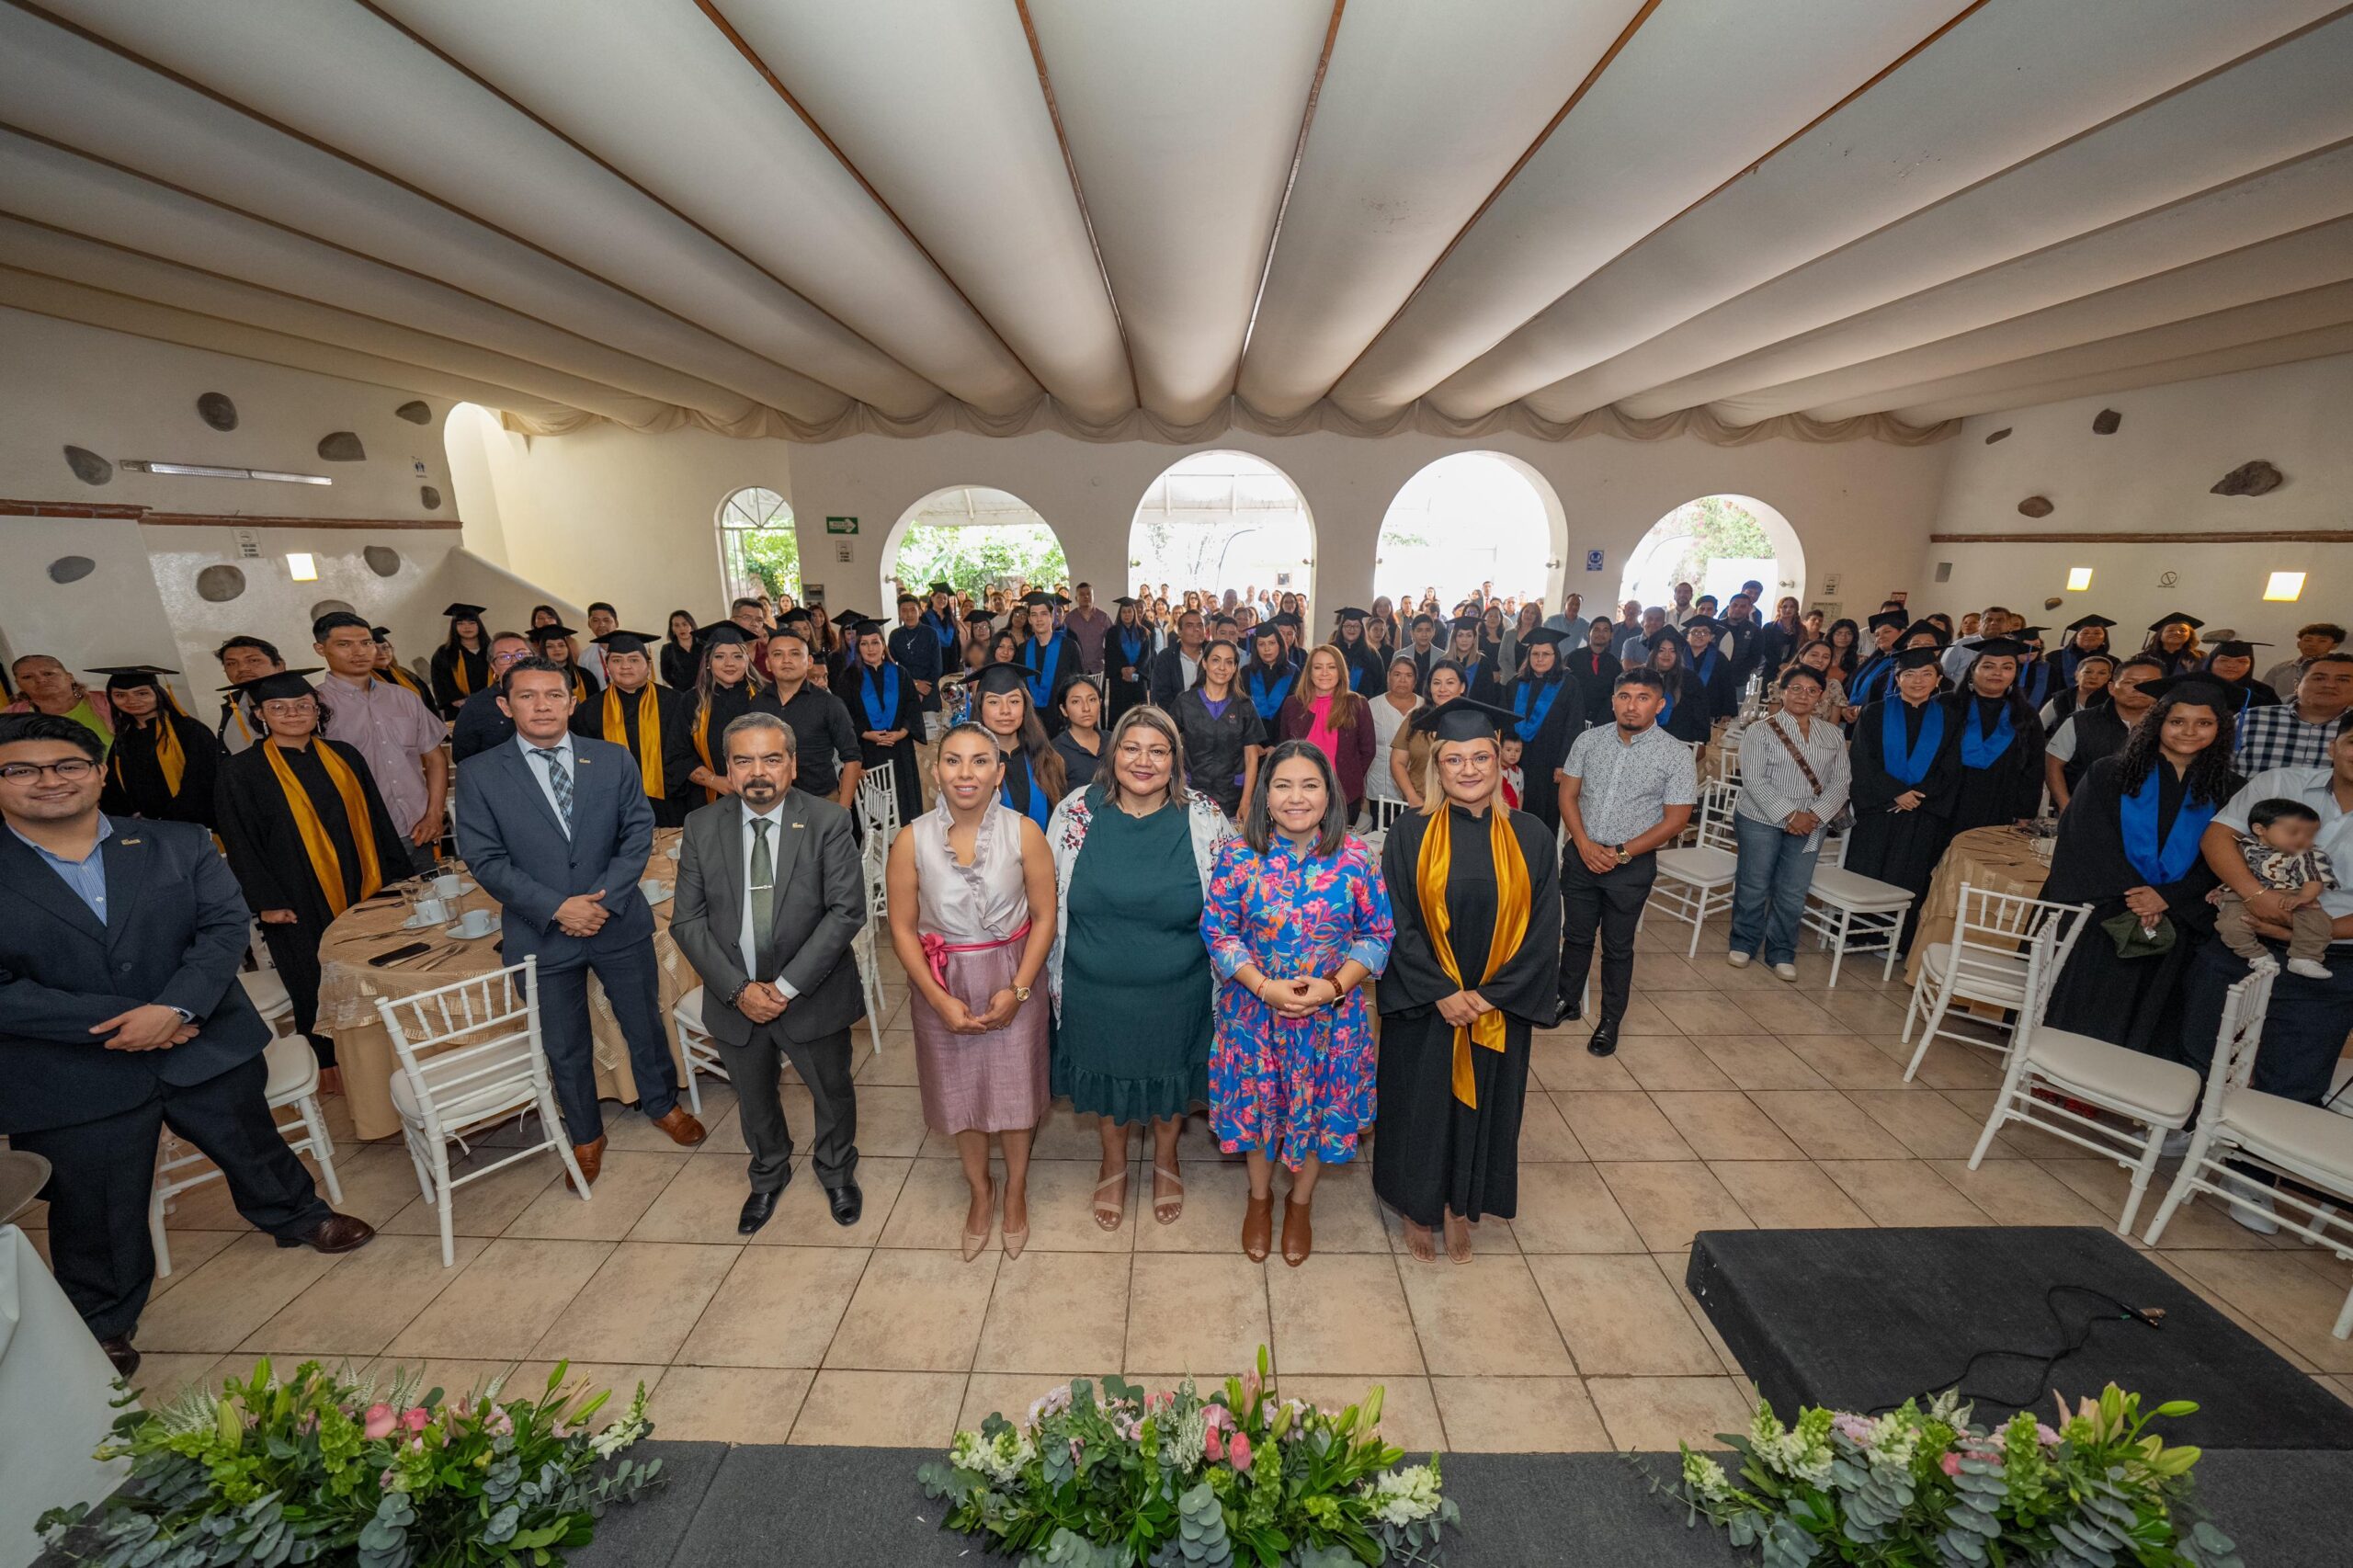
x: 459, y: 675
x: 324, y: 863
x: 702, y: 747
x: 400, y: 678
x: 649, y: 734
x: 579, y: 687
x: 170, y: 756
x: 1513, y: 900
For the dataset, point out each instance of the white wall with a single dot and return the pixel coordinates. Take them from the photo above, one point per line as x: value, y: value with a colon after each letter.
x: 2152, y: 476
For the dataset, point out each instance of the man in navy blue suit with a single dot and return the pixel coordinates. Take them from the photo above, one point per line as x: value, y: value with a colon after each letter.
x: 120, y: 1014
x: 556, y: 827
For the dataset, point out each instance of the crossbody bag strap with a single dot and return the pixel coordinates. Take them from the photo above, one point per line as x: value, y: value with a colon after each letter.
x: 1795, y: 756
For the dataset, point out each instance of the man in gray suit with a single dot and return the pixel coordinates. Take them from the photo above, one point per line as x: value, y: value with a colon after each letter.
x: 771, y: 893
x: 556, y: 826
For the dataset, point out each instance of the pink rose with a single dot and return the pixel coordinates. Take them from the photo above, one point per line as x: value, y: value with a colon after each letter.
x: 1212, y: 1445
x: 1951, y: 1463
x: 377, y: 1423
x: 416, y: 1418
x: 1238, y: 1451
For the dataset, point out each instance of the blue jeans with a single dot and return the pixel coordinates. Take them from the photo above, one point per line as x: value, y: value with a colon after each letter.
x: 1768, y: 890
x: 2303, y: 1033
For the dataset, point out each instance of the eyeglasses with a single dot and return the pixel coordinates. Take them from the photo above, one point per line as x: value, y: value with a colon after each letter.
x: 73, y: 770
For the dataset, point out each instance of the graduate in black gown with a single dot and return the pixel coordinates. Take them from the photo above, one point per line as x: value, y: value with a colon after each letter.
x: 553, y: 643
x: 2001, y: 742
x: 1595, y: 668
x: 2173, y: 641
x: 1549, y: 705
x: 388, y: 667
x: 2129, y: 843
x: 654, y: 722
x: 307, y: 835
x: 2232, y: 665
x: 2085, y: 635
x: 723, y: 692
x: 1906, y: 752
x: 1051, y: 655
x: 1368, y: 666
x: 1462, y: 649
x: 1687, y: 715
x: 1035, y: 781
x: 1269, y: 676
x: 1127, y: 659
x: 887, y: 713
x: 1471, y: 976
x: 162, y: 764
x: 1713, y: 669
x: 2038, y: 680
x: 461, y: 664
x: 1875, y: 677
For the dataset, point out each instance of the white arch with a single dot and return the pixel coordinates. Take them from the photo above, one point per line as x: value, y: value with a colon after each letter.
x: 957, y: 507
x: 1245, y: 520
x: 1527, y: 529
x: 1787, y: 575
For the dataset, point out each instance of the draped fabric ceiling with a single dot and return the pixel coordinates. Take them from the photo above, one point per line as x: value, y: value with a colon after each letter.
x: 1826, y: 218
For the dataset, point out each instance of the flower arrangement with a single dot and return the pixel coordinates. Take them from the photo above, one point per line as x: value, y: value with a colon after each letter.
x: 1922, y: 1488
x: 1116, y: 1477
x: 321, y: 1468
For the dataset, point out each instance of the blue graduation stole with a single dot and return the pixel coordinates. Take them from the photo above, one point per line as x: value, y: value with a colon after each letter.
x: 1040, y: 808
x: 1132, y: 643
x: 1667, y: 711
x: 1041, y: 684
x: 2137, y: 815
x: 1872, y: 684
x: 1268, y: 700
x: 1532, y: 714
x: 1707, y: 666
x: 940, y: 628
x: 2034, y: 682
x: 1979, y: 749
x: 1910, y: 764
x: 887, y: 680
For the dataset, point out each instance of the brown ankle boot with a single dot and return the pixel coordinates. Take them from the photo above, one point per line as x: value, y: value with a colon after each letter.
x: 1258, y: 1227
x: 1299, y: 1231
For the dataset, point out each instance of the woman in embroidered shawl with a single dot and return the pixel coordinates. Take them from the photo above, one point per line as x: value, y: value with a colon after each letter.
x: 307, y: 835
x: 1474, y: 892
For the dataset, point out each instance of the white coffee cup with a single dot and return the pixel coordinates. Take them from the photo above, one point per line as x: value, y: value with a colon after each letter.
x: 448, y: 885
x: 475, y: 922
x: 654, y: 888
x: 432, y: 911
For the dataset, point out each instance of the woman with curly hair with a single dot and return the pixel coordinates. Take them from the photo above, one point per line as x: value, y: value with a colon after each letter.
x: 2129, y: 844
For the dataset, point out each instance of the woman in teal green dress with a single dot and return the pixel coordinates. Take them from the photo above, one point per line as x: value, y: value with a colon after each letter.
x: 1134, y: 994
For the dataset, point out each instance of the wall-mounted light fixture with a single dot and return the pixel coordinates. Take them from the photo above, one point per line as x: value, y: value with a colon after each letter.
x: 213, y: 470
x: 2079, y: 578
x: 302, y: 566
x: 2285, y: 587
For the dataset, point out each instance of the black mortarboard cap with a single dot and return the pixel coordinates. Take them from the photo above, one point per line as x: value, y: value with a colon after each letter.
x: 1123, y: 601
x: 1466, y: 622
x: 1543, y: 637
x: 1702, y: 623
x: 380, y: 633
x: 721, y: 633
x: 2193, y: 684
x: 2100, y: 620
x: 796, y: 616
x: 1914, y: 658
x: 276, y: 686
x: 997, y: 679
x: 1284, y: 617
x: 943, y: 588
x: 1928, y: 628
x: 130, y: 675
x: 2173, y: 616
x: 464, y: 612
x: 1894, y: 617
x: 1036, y: 597
x: 1268, y: 630
x: 1351, y: 612
x: 627, y: 641
x: 1465, y: 719
x: 1999, y: 648
x: 549, y: 633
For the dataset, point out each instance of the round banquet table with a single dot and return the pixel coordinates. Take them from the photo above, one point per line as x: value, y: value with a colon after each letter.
x: 1998, y: 860
x: 350, y: 985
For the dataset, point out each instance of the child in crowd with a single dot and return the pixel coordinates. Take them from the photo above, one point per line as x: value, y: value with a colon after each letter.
x: 1515, y: 782
x: 2280, y: 851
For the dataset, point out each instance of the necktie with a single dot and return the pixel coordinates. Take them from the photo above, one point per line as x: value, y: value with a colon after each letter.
x: 763, y: 887
x: 559, y: 779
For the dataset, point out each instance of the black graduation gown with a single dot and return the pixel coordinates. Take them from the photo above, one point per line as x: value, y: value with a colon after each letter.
x: 2038, y: 682
x: 447, y: 697
x: 1126, y: 649
x: 1549, y: 747
x: 1059, y: 662
x: 585, y: 688
x: 2012, y: 786
x: 1872, y: 681
x: 399, y: 676
x: 1597, y: 674
x: 1264, y: 688
x: 1901, y: 847
x: 906, y: 769
x: 135, y: 785
x: 1431, y: 1152
x: 1721, y: 683
x: 1368, y: 672
x: 1078, y: 762
x: 1692, y: 720
x: 2099, y: 732
x: 679, y: 665
x: 2128, y: 1002
x: 679, y: 793
x: 728, y: 703
x: 266, y: 854
x: 1485, y: 686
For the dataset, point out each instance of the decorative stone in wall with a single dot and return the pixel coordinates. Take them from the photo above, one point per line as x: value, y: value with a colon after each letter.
x: 2003, y: 433
x: 2104, y: 422
x: 2258, y: 478
x: 71, y: 568
x: 382, y: 560
x: 216, y: 410
x: 329, y: 607
x: 219, y: 585
x: 430, y: 497
x: 342, y: 447
x: 2037, y: 506
x: 87, y: 466
x: 415, y: 412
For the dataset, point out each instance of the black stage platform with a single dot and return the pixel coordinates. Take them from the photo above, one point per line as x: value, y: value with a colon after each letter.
x: 1862, y: 1319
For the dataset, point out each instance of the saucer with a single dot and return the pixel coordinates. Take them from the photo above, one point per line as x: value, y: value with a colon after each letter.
x: 457, y: 933
x: 415, y: 924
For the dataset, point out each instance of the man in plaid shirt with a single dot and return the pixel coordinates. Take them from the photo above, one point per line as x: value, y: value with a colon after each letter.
x: 2297, y: 732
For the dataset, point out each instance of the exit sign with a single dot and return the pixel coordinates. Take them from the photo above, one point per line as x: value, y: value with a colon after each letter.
x: 841, y: 525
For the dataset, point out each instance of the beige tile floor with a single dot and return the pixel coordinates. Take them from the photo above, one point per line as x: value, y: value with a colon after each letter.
x: 1734, y: 1100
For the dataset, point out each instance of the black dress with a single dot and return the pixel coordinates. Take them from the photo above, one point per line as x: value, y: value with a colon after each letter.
x: 1078, y: 764
x: 266, y: 852
x: 1431, y: 1152
x: 449, y: 694
x: 1902, y: 848
x: 1215, y: 742
x: 1127, y: 669
x: 2129, y: 1001
x: 135, y: 785
x: 679, y: 794
x: 867, y: 693
x: 2010, y: 786
x: 1546, y: 746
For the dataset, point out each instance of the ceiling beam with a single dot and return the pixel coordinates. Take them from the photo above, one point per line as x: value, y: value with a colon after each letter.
x: 1290, y: 181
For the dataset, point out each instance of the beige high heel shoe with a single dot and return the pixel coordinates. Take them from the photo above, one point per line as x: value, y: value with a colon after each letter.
x: 972, y: 1244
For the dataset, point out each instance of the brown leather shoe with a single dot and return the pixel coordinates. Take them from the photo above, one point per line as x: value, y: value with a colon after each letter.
x: 590, y: 1158
x: 120, y: 1351
x: 336, y: 1233
x: 1299, y: 1231
x: 1258, y: 1228
x: 682, y: 1126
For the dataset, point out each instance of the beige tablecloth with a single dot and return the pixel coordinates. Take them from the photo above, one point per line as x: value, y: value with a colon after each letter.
x: 348, y: 988
x: 1999, y: 860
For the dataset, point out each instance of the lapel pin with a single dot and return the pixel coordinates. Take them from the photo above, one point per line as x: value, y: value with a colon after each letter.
x: 127, y: 843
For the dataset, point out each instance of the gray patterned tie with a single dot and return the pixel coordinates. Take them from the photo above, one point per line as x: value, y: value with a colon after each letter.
x: 559, y: 779
x: 762, y: 888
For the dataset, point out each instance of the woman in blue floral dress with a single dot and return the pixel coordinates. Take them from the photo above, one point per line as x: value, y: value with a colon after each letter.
x: 1297, y: 921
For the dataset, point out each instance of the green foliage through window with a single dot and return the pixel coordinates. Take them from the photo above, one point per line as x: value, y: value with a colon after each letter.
x: 980, y: 556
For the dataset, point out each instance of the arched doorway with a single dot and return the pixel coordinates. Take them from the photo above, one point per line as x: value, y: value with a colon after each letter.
x: 974, y: 539
x: 1468, y: 520
x: 1220, y: 520
x: 758, y: 551
x: 1715, y: 543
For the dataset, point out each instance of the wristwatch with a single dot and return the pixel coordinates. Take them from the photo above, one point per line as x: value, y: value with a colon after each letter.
x: 1622, y: 856
x: 1021, y: 994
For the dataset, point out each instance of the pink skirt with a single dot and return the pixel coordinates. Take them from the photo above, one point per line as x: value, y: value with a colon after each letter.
x: 997, y: 1082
